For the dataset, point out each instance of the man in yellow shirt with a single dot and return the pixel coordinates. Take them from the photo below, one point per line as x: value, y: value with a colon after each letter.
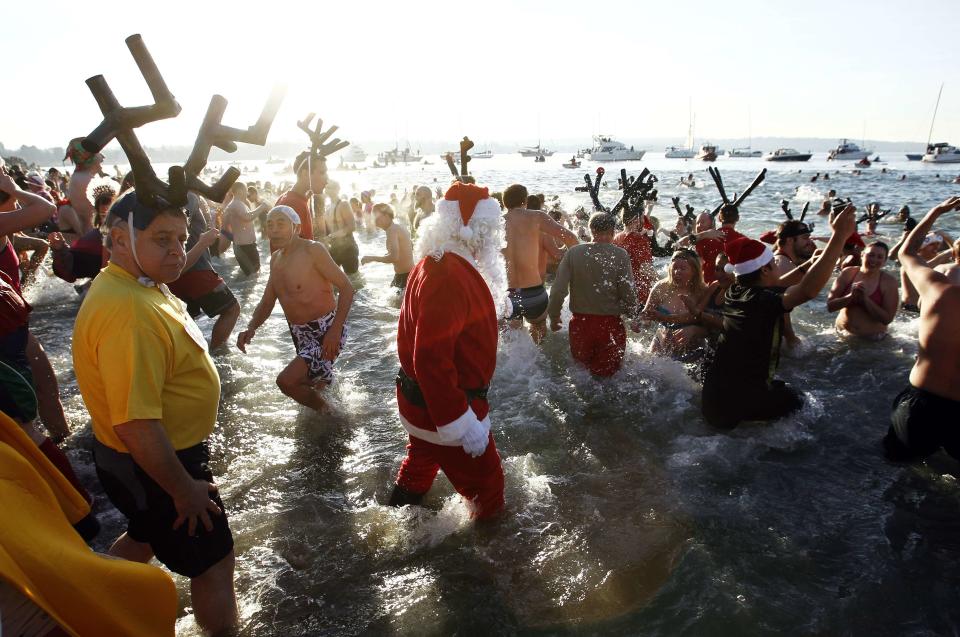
x: 152, y: 392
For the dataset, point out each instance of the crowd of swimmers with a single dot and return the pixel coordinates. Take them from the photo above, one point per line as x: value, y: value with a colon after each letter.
x: 722, y: 306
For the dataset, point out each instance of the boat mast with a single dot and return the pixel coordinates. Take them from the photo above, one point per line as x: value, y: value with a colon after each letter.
x: 934, y: 118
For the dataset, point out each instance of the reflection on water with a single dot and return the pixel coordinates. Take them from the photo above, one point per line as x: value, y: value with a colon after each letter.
x: 625, y: 513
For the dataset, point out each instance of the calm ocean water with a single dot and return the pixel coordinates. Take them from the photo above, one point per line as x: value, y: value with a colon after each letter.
x: 626, y: 514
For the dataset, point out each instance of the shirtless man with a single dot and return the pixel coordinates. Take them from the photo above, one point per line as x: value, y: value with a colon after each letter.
x: 259, y: 209
x: 302, y: 278
x: 239, y: 219
x: 926, y: 413
x: 952, y: 270
x: 399, y: 246
x: 79, y: 214
x: 423, y: 202
x: 866, y: 297
x: 522, y: 254
x: 336, y: 227
x: 794, y: 247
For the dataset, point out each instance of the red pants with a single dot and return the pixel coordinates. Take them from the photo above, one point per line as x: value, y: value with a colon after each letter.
x: 479, y: 480
x: 598, y: 342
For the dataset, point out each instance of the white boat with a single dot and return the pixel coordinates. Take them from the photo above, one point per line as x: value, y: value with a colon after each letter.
x: 354, y: 155
x: 483, y: 154
x: 847, y: 150
x: 942, y: 153
x: 534, y: 151
x: 744, y: 152
x: 672, y: 152
x: 605, y: 148
x: 788, y: 154
x: 397, y: 156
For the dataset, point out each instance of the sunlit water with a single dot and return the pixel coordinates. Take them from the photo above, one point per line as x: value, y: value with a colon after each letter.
x: 625, y: 513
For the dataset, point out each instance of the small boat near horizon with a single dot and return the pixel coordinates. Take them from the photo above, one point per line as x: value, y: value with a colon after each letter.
x: 605, y: 148
x: 847, y: 150
x: 787, y: 154
x: 744, y: 152
x: 573, y: 163
x: 355, y: 154
x: 534, y: 151
x: 673, y: 152
x: 397, y: 156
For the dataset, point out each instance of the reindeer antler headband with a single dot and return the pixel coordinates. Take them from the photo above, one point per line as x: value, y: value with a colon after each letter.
x: 119, y: 123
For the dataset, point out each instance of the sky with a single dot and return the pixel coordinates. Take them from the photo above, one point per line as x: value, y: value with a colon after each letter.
x: 504, y: 72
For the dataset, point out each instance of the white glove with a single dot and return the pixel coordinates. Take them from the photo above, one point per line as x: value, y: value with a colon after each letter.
x: 477, y: 436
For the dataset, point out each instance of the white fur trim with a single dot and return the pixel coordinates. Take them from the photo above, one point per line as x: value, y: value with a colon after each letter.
x: 746, y: 267
x: 434, y: 436
x: 453, y: 431
x: 466, y: 233
x: 485, y: 208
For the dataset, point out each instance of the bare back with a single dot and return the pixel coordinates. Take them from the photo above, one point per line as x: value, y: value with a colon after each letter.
x: 937, y: 369
x: 523, y: 229
x: 238, y: 217
x: 400, y: 247
x: 299, y: 277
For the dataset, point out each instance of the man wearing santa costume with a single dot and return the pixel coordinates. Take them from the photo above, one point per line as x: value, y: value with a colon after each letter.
x: 447, y: 345
x: 738, y: 384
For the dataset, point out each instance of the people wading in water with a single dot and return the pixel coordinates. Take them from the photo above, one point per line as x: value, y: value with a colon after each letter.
x: 866, y: 297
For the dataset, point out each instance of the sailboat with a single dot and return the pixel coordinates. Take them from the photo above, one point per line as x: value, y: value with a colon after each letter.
x: 942, y: 152
x: 748, y: 151
x: 672, y: 152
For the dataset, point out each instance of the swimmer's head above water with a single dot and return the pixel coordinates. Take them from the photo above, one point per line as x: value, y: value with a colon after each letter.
x: 283, y: 224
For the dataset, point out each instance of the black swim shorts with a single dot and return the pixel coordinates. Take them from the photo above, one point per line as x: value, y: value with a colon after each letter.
x: 400, y: 280
x: 248, y: 257
x: 150, y: 511
x: 529, y: 303
x: 212, y: 303
x: 727, y: 407
x: 921, y: 423
x: 346, y: 254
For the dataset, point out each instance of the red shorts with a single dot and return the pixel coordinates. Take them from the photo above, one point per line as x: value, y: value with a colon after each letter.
x: 598, y: 342
x: 195, y: 284
x: 479, y: 480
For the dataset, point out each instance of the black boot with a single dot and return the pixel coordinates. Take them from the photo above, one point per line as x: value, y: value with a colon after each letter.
x: 401, y: 497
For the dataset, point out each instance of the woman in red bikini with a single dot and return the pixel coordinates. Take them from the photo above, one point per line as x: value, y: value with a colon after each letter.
x: 865, y: 296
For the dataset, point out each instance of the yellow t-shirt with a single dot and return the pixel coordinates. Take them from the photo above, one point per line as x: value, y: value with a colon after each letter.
x: 137, y: 355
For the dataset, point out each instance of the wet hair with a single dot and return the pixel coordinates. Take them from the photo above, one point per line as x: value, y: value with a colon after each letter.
x: 556, y: 215
x: 729, y: 213
x: 535, y: 202
x: 693, y: 259
x: 499, y: 197
x: 880, y: 244
x: 383, y: 209
x: 601, y: 222
x: 790, y: 229
x: 301, y: 162
x: 515, y: 196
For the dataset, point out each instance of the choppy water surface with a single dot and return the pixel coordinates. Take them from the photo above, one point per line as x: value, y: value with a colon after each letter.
x: 625, y: 514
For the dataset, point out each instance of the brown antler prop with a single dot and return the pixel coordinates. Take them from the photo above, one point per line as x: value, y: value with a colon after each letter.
x: 213, y: 133
x: 465, y: 147
x: 317, y: 137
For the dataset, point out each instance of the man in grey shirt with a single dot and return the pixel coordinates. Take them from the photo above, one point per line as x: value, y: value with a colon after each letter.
x: 600, y: 283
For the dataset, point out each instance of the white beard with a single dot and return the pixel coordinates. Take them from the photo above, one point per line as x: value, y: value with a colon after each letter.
x: 439, y: 233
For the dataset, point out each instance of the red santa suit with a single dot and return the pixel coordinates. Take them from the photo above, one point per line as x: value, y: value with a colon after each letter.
x: 447, y: 345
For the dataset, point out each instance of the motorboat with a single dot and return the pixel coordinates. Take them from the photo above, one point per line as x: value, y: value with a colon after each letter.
x: 397, y: 156
x: 942, y: 153
x: 482, y: 154
x: 744, y: 152
x: 605, y: 148
x: 534, y: 151
x: 573, y: 163
x: 708, y: 152
x: 354, y: 155
x: 787, y: 154
x: 863, y: 163
x: 847, y: 150
x: 914, y: 156
x: 673, y: 152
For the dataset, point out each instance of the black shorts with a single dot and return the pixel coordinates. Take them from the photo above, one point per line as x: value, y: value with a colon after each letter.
x: 921, y: 423
x: 346, y: 254
x: 213, y: 303
x: 726, y: 407
x: 400, y: 280
x: 248, y: 257
x: 529, y: 303
x: 150, y: 511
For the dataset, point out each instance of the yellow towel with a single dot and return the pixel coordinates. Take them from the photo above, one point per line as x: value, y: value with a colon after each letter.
x: 44, y: 558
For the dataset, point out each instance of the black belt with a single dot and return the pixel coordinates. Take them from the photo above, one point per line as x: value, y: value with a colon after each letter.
x: 411, y: 390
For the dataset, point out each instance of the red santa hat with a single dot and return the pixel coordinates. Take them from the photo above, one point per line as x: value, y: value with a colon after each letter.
x: 467, y: 202
x: 770, y: 236
x: 746, y: 255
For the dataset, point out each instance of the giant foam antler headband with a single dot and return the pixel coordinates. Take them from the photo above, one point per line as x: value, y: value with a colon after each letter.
x: 737, y: 200
x: 319, y: 147
x: 119, y: 123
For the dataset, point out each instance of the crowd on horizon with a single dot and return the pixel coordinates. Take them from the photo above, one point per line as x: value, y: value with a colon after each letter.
x: 468, y: 264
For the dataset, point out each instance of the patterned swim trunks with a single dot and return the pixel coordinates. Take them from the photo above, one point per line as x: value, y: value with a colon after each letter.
x: 308, y: 340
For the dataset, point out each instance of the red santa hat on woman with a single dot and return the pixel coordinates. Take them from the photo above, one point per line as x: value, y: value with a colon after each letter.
x: 746, y: 255
x: 468, y: 222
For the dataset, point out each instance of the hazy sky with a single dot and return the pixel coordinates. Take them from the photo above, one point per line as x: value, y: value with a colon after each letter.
x: 498, y: 70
